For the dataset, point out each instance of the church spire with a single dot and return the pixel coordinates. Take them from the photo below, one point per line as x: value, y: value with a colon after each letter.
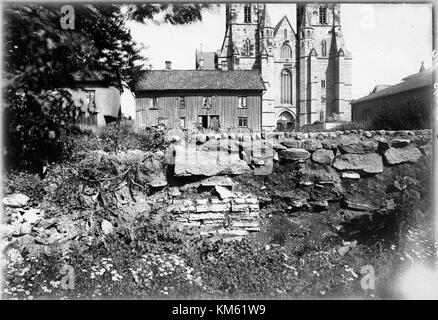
x: 265, y: 21
x: 422, y: 68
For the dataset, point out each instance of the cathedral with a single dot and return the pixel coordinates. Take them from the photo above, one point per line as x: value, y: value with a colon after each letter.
x: 306, y: 71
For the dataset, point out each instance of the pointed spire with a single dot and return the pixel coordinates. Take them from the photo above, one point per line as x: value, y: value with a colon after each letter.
x: 422, y: 68
x: 266, y: 19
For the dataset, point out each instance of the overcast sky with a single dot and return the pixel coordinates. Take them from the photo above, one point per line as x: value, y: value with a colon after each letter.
x: 388, y: 41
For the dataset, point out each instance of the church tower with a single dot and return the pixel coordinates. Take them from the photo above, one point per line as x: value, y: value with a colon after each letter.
x: 240, y: 49
x: 307, y: 73
x: 324, y: 64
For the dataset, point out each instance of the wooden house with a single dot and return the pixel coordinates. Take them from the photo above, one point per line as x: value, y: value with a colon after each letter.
x: 190, y: 99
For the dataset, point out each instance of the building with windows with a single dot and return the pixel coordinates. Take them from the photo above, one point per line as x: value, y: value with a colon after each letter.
x: 98, y: 102
x: 417, y: 87
x: 193, y: 99
x: 307, y: 72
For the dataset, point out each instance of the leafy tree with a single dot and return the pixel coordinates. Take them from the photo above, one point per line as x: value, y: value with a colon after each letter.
x: 42, y: 59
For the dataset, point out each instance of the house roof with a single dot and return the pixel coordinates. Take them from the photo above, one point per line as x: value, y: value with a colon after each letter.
x: 415, y: 81
x: 159, y: 80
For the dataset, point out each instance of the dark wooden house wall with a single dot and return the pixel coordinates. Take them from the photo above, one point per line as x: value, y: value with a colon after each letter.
x: 224, y: 104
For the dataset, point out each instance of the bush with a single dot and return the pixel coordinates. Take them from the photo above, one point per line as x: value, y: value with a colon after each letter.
x: 413, y: 115
x: 35, y: 127
x: 121, y: 135
x: 356, y: 125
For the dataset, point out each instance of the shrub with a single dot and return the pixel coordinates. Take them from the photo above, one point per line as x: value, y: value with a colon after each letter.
x: 121, y: 135
x: 412, y: 115
x: 356, y: 125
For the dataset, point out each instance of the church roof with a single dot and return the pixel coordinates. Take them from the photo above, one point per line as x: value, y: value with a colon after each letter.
x: 281, y: 22
x: 415, y: 81
x: 160, y: 80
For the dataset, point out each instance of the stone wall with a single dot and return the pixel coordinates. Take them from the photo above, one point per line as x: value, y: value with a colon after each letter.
x: 227, y: 218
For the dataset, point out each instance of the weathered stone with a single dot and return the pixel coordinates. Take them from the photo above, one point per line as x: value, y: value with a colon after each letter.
x: 356, y: 146
x: 323, y: 156
x: 224, y: 193
x: 174, y: 192
x: 206, y: 216
x: 400, y: 143
x: 190, y: 162
x: 26, y: 228
x: 367, y: 163
x: 107, y: 227
x: 291, y: 143
x: 294, y: 154
x: 218, y: 181
x: 400, y: 155
x: 15, y: 200
x: 32, y: 216
x: 350, y: 175
x: 311, y: 145
x: 359, y: 206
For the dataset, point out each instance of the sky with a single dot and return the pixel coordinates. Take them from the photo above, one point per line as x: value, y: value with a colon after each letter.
x: 387, y: 41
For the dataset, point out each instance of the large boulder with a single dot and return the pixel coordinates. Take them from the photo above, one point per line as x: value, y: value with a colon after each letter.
x: 400, y: 155
x: 192, y: 162
x: 323, y: 156
x: 350, y: 145
x: 294, y: 154
x: 291, y: 143
x: 362, y: 163
x: 311, y: 145
x: 15, y: 200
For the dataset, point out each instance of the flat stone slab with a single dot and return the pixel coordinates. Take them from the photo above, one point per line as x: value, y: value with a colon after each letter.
x: 367, y: 163
x: 294, y: 154
x: 400, y: 155
x: 192, y: 162
x: 323, y: 156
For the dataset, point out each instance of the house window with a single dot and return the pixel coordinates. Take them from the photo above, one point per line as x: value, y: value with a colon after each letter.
x: 154, y: 103
x: 207, y: 102
x: 182, y: 122
x: 182, y: 102
x: 243, y: 122
x: 247, y: 48
x: 324, y: 48
x: 322, y: 83
x: 322, y: 15
x: 87, y: 118
x: 285, y: 34
x: 286, y: 52
x: 286, y: 87
x: 242, y: 103
x: 247, y: 13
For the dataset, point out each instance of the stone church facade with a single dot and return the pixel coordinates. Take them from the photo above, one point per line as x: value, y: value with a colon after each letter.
x: 307, y: 72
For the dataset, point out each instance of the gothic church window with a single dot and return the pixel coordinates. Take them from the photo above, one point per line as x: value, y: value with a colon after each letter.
x: 286, y: 52
x: 322, y: 83
x: 324, y: 48
x: 322, y: 15
x: 286, y: 87
x: 247, y: 48
x: 247, y: 13
x: 285, y: 34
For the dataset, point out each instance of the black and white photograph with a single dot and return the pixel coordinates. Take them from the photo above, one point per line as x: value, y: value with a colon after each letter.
x: 218, y: 151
